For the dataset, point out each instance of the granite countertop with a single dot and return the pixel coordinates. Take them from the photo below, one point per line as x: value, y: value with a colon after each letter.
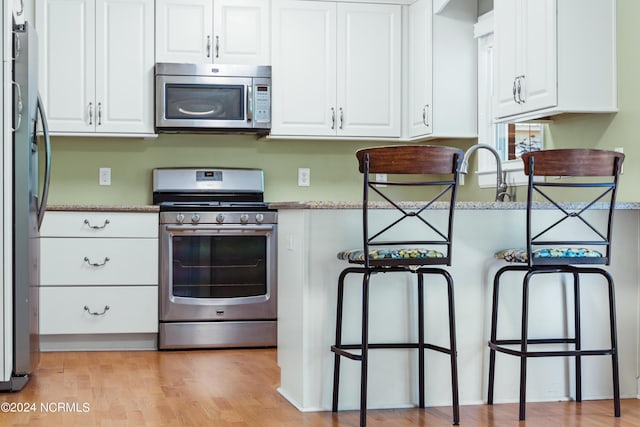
x: 104, y: 208
x: 440, y: 205
x: 348, y: 205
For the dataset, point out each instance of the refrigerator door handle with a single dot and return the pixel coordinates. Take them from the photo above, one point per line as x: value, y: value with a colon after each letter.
x: 47, y: 168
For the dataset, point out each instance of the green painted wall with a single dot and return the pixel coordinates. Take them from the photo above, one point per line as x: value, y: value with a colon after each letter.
x: 334, y: 176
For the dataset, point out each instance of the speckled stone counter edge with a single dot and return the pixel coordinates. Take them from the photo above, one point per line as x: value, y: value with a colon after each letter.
x: 103, y: 208
x: 350, y: 205
x: 441, y: 205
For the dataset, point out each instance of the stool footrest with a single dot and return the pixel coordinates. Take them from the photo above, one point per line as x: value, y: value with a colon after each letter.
x: 514, y: 352
x: 341, y: 349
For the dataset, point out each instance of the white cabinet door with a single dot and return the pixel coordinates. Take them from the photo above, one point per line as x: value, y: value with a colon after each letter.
x: 336, y: 69
x: 241, y: 32
x: 507, y: 56
x: 184, y: 31
x: 369, y: 45
x: 96, y: 65
x: 213, y: 31
x: 420, y: 60
x: 67, y: 63
x: 19, y: 12
x: 304, y: 68
x: 540, y: 45
x: 526, y: 54
x: 124, y: 66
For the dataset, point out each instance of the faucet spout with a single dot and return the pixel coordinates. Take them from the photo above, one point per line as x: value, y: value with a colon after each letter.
x: 501, y: 185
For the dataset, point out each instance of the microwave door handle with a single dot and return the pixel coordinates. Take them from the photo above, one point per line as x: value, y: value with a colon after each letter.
x: 195, y: 113
x: 249, y: 103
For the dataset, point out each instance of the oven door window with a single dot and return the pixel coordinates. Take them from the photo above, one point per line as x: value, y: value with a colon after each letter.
x: 204, y: 102
x: 219, y: 266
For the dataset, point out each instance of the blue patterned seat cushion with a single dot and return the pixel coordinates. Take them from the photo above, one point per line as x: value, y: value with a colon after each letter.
x: 356, y: 255
x: 520, y: 255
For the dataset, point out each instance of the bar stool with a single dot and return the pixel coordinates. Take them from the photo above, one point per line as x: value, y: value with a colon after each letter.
x: 433, y: 170
x: 594, y: 176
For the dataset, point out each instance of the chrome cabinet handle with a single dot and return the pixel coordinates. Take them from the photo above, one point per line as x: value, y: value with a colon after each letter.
x: 21, y: 11
x: 208, y: 46
x: 341, y: 118
x: 95, y: 313
x: 520, y: 91
x: 97, y: 227
x: 97, y: 264
x: 217, y: 46
x: 91, y: 113
x: 517, y: 90
x: 333, y: 118
x: 19, y: 105
x: 99, y: 113
x: 425, y: 115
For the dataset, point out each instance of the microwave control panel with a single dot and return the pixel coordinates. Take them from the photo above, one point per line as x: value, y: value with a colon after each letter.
x: 262, y: 107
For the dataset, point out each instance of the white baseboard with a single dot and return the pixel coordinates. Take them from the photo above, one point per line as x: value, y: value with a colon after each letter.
x: 99, y: 342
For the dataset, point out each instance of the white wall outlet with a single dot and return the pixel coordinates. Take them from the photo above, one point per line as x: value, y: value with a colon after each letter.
x: 304, y: 177
x: 105, y: 176
x: 381, y: 177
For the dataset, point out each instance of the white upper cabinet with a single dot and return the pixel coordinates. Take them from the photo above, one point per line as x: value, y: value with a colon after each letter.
x: 336, y: 69
x: 554, y: 56
x: 304, y: 68
x: 96, y: 65
x: 19, y: 11
x: 441, y: 93
x: 213, y: 31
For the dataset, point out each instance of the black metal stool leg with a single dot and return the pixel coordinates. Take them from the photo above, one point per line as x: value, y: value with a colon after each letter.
x: 614, y: 345
x: 365, y: 349
x: 523, y: 345
x: 453, y: 352
x: 338, y: 341
x: 494, y: 335
x: 420, y: 340
x: 578, y: 334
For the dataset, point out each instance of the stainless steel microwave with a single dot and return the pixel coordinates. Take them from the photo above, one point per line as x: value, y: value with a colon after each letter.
x: 213, y: 98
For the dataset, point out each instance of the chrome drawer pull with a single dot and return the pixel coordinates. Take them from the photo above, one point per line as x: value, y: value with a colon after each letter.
x: 96, y: 227
x: 96, y: 264
x: 95, y: 313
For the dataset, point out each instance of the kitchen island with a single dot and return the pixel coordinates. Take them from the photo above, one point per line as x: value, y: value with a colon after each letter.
x: 312, y: 233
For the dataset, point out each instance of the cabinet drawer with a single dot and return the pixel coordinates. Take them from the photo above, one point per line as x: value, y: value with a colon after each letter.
x: 100, y: 224
x: 132, y: 309
x: 98, y: 262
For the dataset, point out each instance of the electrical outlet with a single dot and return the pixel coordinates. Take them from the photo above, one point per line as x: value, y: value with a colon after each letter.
x: 381, y: 177
x: 304, y: 177
x: 105, y: 176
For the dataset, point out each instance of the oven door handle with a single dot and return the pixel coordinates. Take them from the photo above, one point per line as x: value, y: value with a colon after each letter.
x: 222, y: 228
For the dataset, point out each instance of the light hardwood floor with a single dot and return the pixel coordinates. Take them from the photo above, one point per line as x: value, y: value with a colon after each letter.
x: 234, y: 388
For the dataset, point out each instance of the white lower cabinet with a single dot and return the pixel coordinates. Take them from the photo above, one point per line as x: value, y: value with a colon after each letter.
x: 98, y: 276
x: 98, y: 310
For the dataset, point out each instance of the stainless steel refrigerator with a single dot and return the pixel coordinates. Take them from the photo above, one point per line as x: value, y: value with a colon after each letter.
x: 29, y: 131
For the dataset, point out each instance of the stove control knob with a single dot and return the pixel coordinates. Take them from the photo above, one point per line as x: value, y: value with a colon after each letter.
x: 220, y: 218
x: 180, y: 218
x: 244, y: 218
x: 195, y: 218
x: 259, y: 218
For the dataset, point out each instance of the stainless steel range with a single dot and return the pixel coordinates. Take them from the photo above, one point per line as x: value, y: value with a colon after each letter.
x: 217, y: 258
